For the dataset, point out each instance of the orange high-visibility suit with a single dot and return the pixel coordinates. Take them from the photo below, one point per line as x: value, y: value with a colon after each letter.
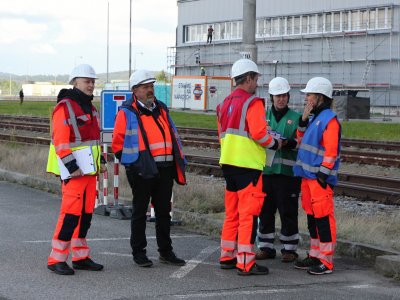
x: 317, y: 187
x: 242, y: 130
x: 74, y: 126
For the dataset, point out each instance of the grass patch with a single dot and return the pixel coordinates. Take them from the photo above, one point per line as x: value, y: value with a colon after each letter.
x: 30, y: 108
x: 196, y: 120
x: 371, y: 131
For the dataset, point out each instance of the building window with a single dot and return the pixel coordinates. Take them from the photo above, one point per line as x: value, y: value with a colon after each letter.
x: 289, y: 26
x: 296, y: 25
x: 314, y: 24
x: 338, y: 21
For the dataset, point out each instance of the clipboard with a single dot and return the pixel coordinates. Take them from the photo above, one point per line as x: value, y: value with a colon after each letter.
x: 84, y: 160
x: 270, y: 157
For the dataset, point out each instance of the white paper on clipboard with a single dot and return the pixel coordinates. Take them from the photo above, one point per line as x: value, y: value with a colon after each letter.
x: 270, y: 157
x: 84, y: 159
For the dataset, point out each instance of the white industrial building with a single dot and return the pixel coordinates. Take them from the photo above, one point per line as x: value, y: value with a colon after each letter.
x: 355, y: 44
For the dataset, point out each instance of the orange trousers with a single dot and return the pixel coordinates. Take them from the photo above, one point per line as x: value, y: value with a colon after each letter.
x: 77, y: 204
x: 317, y: 203
x: 242, y: 208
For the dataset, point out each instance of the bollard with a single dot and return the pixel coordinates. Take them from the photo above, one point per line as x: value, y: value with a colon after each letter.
x: 118, y: 211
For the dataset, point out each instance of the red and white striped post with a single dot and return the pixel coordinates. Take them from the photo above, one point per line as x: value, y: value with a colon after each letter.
x: 116, y: 180
x: 105, y: 177
x: 97, y: 191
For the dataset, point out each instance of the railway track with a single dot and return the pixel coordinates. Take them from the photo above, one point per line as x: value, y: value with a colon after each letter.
x: 382, y: 189
x: 190, y: 139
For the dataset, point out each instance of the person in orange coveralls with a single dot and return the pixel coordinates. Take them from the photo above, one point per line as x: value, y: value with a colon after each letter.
x: 75, y: 128
x: 146, y: 142
x: 318, y: 163
x: 242, y: 130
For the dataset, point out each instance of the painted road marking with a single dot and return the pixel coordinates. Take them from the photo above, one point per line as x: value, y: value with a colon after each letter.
x: 120, y: 238
x: 193, y: 263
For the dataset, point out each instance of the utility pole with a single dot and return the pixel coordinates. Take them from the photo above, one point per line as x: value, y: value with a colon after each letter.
x: 249, y: 29
x: 108, y: 37
x: 130, y: 39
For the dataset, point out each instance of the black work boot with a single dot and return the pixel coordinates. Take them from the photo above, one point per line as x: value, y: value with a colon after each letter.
x: 87, y: 264
x: 61, y: 268
x: 142, y: 260
x: 228, y: 264
x: 306, y: 263
x: 254, y: 270
x: 171, y: 259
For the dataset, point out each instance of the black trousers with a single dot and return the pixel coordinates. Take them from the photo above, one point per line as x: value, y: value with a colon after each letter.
x: 159, y: 190
x: 282, y: 195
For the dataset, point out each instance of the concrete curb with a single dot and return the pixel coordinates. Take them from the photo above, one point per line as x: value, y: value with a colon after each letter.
x: 386, y: 262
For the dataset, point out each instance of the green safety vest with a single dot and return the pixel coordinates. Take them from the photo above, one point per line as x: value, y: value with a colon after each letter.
x: 284, y: 159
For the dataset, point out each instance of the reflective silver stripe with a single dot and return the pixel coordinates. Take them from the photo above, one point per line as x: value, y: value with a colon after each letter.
x: 245, y: 248
x: 78, y: 243
x: 283, y: 161
x: 228, y: 244
x: 73, y: 120
x: 314, y: 242
x: 131, y: 132
x: 325, y: 247
x: 325, y: 170
x: 266, y: 235
x: 235, y: 132
x: 328, y: 258
x: 314, y: 252
x: 60, y: 256
x: 230, y: 254
x: 67, y: 158
x: 265, y: 245
x: 130, y: 150
x: 263, y: 139
x: 289, y: 238
x: 85, y: 143
x: 244, y: 113
x: 89, y: 143
x: 81, y: 253
x: 160, y: 145
x: 249, y: 258
x: 60, y: 245
x: 313, y: 169
x: 312, y: 149
x: 83, y: 118
x: 160, y: 158
x: 62, y: 146
x: 329, y: 159
x: 290, y: 247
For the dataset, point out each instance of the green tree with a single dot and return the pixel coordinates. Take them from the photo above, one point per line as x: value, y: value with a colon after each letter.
x: 162, y: 76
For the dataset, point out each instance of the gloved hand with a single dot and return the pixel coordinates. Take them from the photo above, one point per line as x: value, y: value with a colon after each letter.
x: 321, y: 178
x: 289, y: 144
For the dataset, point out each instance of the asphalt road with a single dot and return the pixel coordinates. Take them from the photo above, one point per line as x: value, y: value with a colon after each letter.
x: 27, y: 219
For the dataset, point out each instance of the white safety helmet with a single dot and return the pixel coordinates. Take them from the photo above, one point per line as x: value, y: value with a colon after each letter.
x: 319, y: 85
x: 278, y: 86
x: 242, y: 66
x: 141, y: 77
x: 84, y: 71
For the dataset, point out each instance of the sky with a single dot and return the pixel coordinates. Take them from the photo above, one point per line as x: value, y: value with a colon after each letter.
x: 52, y: 36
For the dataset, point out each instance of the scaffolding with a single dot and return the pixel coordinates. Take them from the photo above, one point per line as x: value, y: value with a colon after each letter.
x: 354, y: 60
